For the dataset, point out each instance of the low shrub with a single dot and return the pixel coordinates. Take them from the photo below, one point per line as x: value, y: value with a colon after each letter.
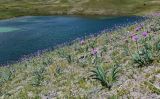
x: 66, y: 56
x: 38, y: 77
x: 58, y: 70
x: 143, y: 54
x: 106, y: 81
x: 5, y: 75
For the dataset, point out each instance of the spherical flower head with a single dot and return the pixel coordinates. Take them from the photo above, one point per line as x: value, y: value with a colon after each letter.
x: 132, y: 34
x: 144, y: 34
x: 82, y: 42
x: 135, y: 37
x: 138, y: 28
x: 94, y: 51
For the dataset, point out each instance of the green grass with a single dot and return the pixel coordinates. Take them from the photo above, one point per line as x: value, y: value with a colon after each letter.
x: 65, y: 72
x: 14, y: 8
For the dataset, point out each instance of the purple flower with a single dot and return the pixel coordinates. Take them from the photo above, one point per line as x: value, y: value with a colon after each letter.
x: 138, y: 28
x: 144, y: 34
x: 82, y: 42
x: 142, y: 24
x: 132, y: 34
x: 135, y: 37
x: 94, y: 51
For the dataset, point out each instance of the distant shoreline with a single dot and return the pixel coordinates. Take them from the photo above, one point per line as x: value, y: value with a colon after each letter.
x: 77, y: 15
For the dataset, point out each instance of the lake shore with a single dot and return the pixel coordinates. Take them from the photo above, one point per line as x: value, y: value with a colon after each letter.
x: 33, y: 27
x: 74, y: 15
x: 66, y: 71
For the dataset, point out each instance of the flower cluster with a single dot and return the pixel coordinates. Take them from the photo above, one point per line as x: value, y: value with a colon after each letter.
x: 94, y: 51
x: 135, y: 37
x: 82, y: 42
x: 143, y: 54
x: 145, y: 34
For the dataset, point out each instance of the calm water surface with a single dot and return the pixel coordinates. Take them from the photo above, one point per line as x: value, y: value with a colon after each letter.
x: 26, y: 35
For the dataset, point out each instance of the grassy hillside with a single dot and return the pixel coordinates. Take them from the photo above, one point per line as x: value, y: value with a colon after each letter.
x: 118, y: 65
x: 13, y: 8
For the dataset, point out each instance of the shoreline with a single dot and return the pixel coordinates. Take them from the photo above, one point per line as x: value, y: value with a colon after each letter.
x: 69, y: 43
x: 74, y: 15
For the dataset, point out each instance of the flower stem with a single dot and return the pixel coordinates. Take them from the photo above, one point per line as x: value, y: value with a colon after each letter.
x: 139, y: 53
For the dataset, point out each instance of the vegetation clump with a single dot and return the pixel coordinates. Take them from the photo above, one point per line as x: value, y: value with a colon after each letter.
x: 100, y: 75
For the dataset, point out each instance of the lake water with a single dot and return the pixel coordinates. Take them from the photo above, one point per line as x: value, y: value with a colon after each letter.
x: 26, y: 35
